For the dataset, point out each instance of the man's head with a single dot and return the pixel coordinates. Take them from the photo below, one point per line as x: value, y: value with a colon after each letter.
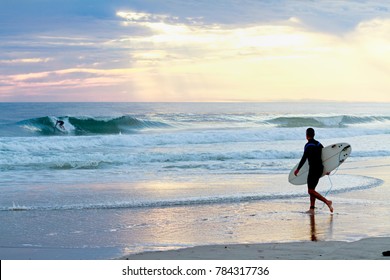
x: 310, y: 133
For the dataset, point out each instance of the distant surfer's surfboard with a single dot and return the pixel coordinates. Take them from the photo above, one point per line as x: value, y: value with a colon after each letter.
x: 58, y: 129
x: 332, y: 157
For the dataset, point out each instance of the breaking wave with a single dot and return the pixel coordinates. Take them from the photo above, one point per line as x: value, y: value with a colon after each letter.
x: 126, y: 124
x: 84, y: 125
x: 328, y: 121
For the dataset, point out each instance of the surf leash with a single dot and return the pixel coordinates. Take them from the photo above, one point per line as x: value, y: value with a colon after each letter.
x: 331, y: 174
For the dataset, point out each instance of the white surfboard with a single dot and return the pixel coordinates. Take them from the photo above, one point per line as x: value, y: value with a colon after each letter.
x: 332, y: 157
x: 57, y: 129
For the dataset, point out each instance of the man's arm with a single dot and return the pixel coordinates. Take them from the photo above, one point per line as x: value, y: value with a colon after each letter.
x: 301, y: 163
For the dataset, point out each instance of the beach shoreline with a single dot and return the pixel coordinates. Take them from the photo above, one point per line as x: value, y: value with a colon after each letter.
x: 244, y: 230
x: 249, y: 230
x: 361, y: 247
x: 364, y: 249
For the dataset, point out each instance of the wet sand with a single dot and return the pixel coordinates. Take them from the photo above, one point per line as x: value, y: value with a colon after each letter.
x: 365, y: 249
x: 358, y: 229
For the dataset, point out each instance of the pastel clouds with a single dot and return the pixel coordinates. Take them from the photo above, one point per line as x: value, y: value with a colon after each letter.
x: 201, y: 51
x: 25, y: 60
x: 259, y: 62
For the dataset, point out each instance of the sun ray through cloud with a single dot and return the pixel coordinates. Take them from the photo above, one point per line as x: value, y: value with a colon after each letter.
x: 198, y: 51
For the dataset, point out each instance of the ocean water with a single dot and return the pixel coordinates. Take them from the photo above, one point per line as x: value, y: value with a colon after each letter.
x: 129, y: 177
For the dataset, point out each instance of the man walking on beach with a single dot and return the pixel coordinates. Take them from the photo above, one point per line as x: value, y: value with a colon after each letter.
x: 312, y: 153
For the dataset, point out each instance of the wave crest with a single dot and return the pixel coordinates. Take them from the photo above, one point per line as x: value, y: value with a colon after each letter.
x: 324, y: 122
x: 87, y: 125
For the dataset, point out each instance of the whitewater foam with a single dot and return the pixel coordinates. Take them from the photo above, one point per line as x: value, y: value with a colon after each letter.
x: 139, y: 201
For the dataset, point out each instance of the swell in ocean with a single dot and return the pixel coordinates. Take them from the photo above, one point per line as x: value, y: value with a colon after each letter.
x: 127, y: 124
x: 342, y: 121
x: 176, y: 142
x: 79, y: 126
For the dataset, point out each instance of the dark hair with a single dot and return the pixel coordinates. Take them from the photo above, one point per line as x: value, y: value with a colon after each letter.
x: 310, y: 132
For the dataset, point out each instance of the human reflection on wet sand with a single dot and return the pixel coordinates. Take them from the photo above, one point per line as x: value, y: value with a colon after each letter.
x: 313, y: 229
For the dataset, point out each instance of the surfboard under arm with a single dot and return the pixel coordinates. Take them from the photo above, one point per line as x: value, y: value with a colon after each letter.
x: 332, y: 157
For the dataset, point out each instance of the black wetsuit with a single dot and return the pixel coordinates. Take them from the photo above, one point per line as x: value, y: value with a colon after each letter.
x: 61, y: 124
x: 313, y: 150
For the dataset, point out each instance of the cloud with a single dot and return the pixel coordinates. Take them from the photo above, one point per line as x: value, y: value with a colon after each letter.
x: 283, y: 59
x: 77, y: 77
x: 195, y: 50
x: 26, y: 60
x: 184, y: 38
x: 86, y: 84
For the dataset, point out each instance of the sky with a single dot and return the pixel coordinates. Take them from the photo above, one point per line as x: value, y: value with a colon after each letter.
x: 194, y: 50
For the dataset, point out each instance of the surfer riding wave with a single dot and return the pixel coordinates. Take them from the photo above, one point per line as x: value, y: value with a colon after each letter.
x: 60, y: 124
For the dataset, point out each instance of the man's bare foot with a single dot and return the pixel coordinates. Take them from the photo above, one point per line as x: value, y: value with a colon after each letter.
x: 310, y: 211
x: 330, y: 205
